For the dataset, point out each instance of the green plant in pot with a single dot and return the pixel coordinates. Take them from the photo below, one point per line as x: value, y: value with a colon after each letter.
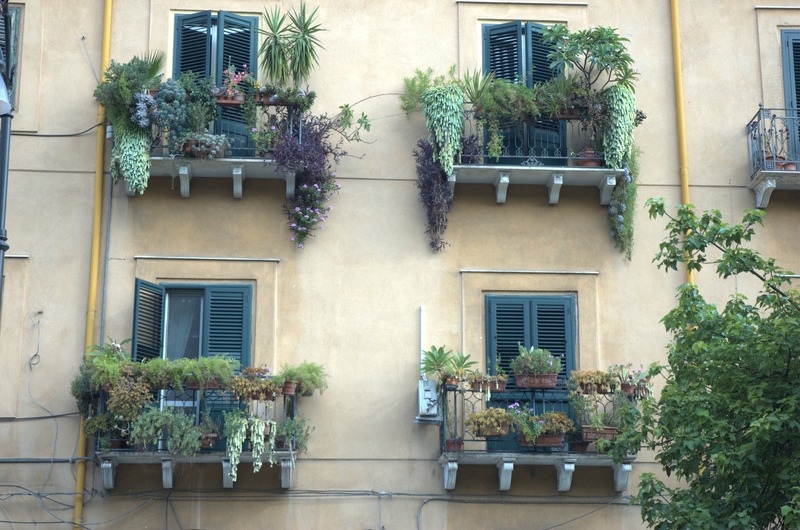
x: 436, y: 362
x: 459, y: 366
x: 129, y: 109
x: 311, y: 376
x: 526, y: 423
x: 288, y: 51
x: 210, y: 372
x: 590, y: 381
x: 174, y: 427
x: 254, y: 383
x: 493, y: 421
x: 535, y: 367
x: 554, y: 426
x: 294, y: 433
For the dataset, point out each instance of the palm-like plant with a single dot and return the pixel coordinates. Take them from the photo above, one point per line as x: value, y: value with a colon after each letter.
x: 274, y: 51
x: 304, y: 43
x: 289, y: 50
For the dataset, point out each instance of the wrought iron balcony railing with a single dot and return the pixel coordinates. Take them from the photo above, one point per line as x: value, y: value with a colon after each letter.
x: 772, y: 141
x: 773, y: 150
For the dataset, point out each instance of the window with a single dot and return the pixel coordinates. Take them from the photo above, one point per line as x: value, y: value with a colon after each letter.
x: 790, y: 45
x: 543, y: 321
x: 207, y: 43
x: 12, y: 54
x: 515, y: 51
x: 175, y: 321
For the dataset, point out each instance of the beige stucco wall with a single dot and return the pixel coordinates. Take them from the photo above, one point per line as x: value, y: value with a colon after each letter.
x: 366, y: 292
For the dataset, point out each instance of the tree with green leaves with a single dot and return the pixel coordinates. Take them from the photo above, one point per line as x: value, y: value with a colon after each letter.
x: 727, y: 423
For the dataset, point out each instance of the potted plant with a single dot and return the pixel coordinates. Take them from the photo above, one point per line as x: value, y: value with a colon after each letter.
x: 294, y: 433
x: 209, y: 430
x: 526, y: 423
x: 311, y: 376
x: 111, y: 431
x: 290, y: 376
x: 493, y: 421
x: 234, y: 82
x: 289, y: 49
x: 123, y: 92
x: 535, y: 368
x: 554, y: 426
x: 435, y: 363
x: 254, y: 383
x: 173, y: 427
x: 209, y: 372
x: 459, y: 366
x: 591, y: 381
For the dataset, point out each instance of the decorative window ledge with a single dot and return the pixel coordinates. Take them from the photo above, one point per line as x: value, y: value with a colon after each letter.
x: 554, y: 177
x: 766, y: 181
x: 237, y: 169
x: 110, y: 461
x: 564, y: 463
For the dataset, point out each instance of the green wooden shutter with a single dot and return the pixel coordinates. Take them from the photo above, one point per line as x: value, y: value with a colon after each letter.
x: 541, y: 321
x: 11, y: 56
x: 791, y: 86
x: 502, y: 50
x: 148, y: 320
x: 193, y: 44
x: 503, y: 55
x: 237, y: 46
x: 547, y: 138
x: 227, y: 322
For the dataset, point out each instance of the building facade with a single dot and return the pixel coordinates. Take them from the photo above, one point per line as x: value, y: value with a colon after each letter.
x: 528, y: 245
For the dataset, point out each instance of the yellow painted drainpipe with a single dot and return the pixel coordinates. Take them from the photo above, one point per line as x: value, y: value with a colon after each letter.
x: 94, y: 266
x: 679, y: 112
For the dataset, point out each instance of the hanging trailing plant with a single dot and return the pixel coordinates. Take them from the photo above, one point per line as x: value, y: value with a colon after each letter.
x: 618, y: 133
x: 434, y: 190
x: 130, y: 113
x: 622, y: 207
x: 443, y: 109
x: 313, y: 159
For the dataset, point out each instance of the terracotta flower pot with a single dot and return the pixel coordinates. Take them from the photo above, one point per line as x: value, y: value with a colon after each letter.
x: 550, y: 440
x: 536, y: 381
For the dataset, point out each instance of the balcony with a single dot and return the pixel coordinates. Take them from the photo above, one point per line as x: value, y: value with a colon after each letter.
x: 460, y: 446
x: 241, y: 160
x: 548, y: 153
x: 773, y: 151
x: 203, y: 408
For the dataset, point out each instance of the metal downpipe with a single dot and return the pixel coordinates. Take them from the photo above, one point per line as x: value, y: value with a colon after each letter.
x: 94, y: 265
x: 679, y: 111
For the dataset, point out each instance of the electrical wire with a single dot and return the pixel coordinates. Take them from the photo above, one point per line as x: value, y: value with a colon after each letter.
x: 63, y: 135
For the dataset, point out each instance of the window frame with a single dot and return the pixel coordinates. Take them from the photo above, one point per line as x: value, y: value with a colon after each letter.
x: 223, y: 304
x: 15, y: 14
x: 531, y: 306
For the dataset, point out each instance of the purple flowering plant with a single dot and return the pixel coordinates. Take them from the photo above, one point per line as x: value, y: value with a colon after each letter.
x: 525, y: 421
x: 312, y: 160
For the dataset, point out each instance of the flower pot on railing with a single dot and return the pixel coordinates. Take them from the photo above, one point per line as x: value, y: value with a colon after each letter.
x: 454, y: 444
x: 490, y: 432
x: 550, y: 440
x: 592, y: 434
x: 536, y: 381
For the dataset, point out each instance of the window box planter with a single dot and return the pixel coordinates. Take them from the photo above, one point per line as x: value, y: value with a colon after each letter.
x: 536, y: 381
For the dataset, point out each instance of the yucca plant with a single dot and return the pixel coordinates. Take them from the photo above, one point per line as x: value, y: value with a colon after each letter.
x: 289, y: 50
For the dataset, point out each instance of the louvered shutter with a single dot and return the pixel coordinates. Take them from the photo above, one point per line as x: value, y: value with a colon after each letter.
x: 546, y: 138
x: 502, y: 50
x: 12, y: 53
x: 148, y: 320
x: 791, y: 85
x: 236, y: 46
x: 227, y: 322
x: 193, y: 44
x: 540, y: 321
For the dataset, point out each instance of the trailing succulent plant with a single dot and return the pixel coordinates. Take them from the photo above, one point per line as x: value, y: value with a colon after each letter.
x: 443, y: 109
x: 618, y: 134
x: 622, y: 207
